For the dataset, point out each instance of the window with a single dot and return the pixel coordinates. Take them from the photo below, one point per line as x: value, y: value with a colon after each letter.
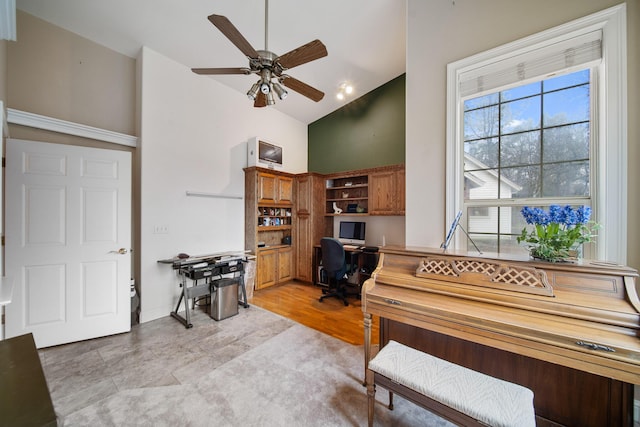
x: 527, y: 142
x: 536, y: 122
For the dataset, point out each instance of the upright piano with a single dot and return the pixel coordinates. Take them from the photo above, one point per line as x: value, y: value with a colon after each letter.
x: 567, y: 331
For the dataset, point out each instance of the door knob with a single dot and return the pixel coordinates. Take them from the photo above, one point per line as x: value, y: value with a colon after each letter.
x: 121, y: 251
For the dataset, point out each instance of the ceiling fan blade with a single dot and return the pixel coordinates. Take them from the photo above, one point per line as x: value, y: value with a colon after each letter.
x: 302, y: 88
x: 221, y: 70
x: 261, y: 100
x: 306, y: 53
x: 226, y: 27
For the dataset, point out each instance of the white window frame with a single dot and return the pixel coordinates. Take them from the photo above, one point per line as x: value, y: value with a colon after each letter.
x: 610, y: 132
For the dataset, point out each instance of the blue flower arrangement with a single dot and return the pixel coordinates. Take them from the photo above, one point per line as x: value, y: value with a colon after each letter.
x: 558, y: 232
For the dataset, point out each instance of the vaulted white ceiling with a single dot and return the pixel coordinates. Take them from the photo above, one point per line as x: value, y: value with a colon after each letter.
x: 365, y: 38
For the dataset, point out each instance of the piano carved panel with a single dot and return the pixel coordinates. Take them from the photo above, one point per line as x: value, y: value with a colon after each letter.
x: 487, y: 274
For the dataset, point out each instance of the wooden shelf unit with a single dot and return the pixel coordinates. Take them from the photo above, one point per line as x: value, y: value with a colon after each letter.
x: 279, y: 204
x: 268, y: 219
x: 375, y: 191
x: 274, y: 218
x: 347, y: 190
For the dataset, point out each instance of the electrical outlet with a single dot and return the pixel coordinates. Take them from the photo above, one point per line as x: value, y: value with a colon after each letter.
x: 161, y: 229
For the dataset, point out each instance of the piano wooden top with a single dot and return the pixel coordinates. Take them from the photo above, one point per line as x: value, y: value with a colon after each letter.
x: 584, y: 315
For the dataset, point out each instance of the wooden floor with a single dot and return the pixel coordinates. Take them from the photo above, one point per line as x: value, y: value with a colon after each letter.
x: 299, y: 302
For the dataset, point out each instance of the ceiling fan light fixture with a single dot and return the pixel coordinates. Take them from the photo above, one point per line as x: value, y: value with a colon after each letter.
x: 280, y: 91
x: 270, y: 100
x: 253, y: 92
x: 264, y: 88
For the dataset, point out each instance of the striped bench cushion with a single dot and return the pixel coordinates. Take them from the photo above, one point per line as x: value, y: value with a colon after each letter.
x: 485, y: 398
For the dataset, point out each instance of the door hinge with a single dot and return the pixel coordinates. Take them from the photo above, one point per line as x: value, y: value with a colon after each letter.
x: 4, y: 162
x: 2, y: 240
x: 2, y: 319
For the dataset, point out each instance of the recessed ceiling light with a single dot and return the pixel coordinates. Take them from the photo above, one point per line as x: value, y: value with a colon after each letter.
x: 344, y: 89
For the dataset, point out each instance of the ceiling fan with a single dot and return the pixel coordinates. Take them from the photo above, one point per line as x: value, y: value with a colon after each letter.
x: 269, y: 66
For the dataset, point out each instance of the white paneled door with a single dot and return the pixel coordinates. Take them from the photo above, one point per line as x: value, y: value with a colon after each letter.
x: 67, y: 241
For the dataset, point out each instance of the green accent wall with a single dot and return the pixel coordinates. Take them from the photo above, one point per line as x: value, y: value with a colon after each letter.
x: 368, y: 132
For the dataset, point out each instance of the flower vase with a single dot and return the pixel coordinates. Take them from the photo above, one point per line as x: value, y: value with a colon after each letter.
x: 566, y: 256
x: 557, y: 233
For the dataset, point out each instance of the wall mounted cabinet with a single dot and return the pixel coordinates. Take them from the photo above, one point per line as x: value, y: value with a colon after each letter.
x: 275, y: 189
x: 376, y: 191
x: 387, y: 192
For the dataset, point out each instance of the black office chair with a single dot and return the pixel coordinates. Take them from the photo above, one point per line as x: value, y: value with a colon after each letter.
x: 335, y: 264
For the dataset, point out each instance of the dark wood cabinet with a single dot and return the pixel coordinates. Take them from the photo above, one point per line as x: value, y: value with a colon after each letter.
x: 310, y: 222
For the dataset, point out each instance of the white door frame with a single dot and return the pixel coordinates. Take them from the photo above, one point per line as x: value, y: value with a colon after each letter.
x: 68, y: 214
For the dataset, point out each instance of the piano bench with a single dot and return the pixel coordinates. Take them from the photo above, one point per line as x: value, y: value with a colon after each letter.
x: 461, y: 395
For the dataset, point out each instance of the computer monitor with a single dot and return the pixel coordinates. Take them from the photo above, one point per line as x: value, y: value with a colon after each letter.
x: 352, y: 232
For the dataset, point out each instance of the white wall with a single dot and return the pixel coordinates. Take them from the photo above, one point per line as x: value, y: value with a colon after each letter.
x: 379, y: 231
x: 440, y: 32
x: 193, y: 136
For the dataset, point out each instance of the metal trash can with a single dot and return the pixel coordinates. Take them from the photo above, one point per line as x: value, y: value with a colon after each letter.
x: 224, y: 298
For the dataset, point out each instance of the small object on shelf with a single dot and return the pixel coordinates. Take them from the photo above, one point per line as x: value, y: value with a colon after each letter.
x: 348, y: 184
x: 336, y: 209
x: 360, y: 209
x: 352, y: 208
x: 345, y: 195
x: 261, y: 244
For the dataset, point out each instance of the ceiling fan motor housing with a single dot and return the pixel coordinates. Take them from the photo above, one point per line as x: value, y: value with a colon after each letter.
x: 265, y: 87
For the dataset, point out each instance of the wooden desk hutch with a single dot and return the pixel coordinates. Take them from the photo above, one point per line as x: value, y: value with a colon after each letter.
x: 300, y: 207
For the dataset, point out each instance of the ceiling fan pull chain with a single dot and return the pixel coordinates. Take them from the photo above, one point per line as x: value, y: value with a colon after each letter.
x: 266, y: 24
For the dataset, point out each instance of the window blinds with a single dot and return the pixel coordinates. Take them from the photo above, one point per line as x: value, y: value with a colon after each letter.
x: 534, y: 63
x: 8, y: 20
